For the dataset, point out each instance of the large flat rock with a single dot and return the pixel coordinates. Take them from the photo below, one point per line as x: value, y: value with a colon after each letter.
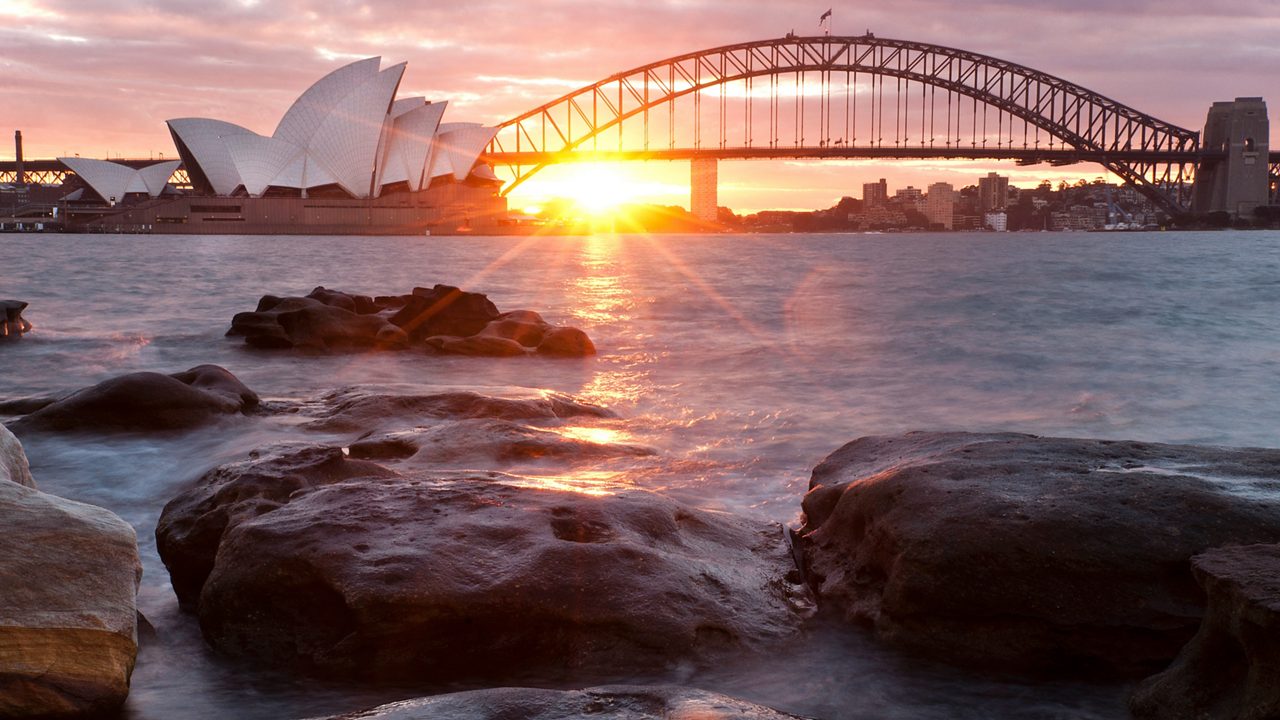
x: 1231, y: 669
x: 69, y: 574
x: 430, y: 577
x: 317, y: 561
x: 618, y: 702
x: 1031, y: 553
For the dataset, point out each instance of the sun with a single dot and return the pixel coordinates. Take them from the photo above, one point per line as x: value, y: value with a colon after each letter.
x: 594, y: 190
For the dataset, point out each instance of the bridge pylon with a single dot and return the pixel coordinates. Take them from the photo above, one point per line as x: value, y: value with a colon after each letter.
x: 703, y: 186
x: 1236, y: 180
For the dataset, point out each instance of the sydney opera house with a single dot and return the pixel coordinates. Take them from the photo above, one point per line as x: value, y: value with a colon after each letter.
x: 347, y: 157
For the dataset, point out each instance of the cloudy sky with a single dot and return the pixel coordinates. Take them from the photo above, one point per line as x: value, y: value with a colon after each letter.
x: 99, y: 77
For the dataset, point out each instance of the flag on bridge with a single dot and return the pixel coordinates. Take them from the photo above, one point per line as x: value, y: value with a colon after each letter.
x: 825, y: 20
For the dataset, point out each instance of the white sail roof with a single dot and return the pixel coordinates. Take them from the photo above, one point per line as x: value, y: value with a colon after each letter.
x: 462, y: 143
x: 346, y: 143
x: 112, y: 181
x: 261, y: 160
x: 156, y: 177
x: 348, y: 129
x: 203, y: 138
x: 409, y: 149
x: 317, y: 103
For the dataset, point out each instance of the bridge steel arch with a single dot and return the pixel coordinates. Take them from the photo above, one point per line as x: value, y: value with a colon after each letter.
x: 1156, y: 157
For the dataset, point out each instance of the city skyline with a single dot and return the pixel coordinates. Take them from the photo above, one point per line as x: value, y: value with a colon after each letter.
x: 144, y: 62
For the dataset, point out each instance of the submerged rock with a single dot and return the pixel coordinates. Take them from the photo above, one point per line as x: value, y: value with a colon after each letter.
x: 11, y: 322
x: 371, y: 408
x: 1031, y: 553
x: 145, y: 401
x: 478, y: 443
x: 443, y: 318
x: 1231, y: 669
x: 617, y: 702
x: 69, y: 574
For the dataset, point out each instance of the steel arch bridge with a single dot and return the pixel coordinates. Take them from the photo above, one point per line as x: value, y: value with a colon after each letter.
x: 849, y: 97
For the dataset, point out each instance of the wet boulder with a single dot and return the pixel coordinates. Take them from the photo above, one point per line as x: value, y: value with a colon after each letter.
x: 1231, y: 669
x: 11, y: 322
x: 618, y: 702
x: 566, y: 342
x: 69, y: 575
x: 13, y: 460
x: 1031, y: 553
x: 323, y: 320
x: 442, y: 318
x: 444, y: 310
x: 192, y: 524
x: 430, y: 576
x: 145, y: 401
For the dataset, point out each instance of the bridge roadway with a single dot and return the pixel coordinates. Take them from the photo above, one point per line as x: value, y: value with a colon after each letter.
x: 1022, y: 156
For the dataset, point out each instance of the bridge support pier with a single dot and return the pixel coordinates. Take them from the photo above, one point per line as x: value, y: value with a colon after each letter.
x: 1238, y: 182
x: 703, y: 185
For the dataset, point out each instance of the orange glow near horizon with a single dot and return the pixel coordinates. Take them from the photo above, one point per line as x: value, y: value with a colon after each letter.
x: 597, y: 191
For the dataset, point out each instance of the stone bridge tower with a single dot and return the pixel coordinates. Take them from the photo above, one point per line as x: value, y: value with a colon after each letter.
x: 1239, y: 182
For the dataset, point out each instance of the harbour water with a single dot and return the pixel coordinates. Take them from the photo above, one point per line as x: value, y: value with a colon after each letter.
x: 743, y: 360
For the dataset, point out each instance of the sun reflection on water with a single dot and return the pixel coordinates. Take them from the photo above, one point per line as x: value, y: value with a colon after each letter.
x: 599, y: 483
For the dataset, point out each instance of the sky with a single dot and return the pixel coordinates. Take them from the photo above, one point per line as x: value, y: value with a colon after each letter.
x: 100, y: 77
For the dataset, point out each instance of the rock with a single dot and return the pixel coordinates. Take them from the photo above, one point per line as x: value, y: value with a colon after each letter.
x: 11, y: 322
x: 324, y: 320
x: 191, y: 526
x: 372, y: 408
x: 69, y: 574
x: 444, y: 310
x: 479, y: 345
x: 566, y: 342
x: 1231, y: 669
x: 146, y: 401
x: 328, y: 328
x: 522, y: 326
x: 25, y: 405
x: 487, y: 443
x: 617, y: 702
x: 433, y: 577
x: 13, y: 461
x: 443, y: 318
x: 1031, y: 553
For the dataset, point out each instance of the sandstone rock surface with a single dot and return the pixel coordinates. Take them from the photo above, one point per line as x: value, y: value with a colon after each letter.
x: 1231, y: 669
x: 618, y: 702
x: 69, y: 574
x: 1031, y: 553
x: 443, y: 318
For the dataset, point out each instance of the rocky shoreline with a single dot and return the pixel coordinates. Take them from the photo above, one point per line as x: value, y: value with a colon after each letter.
x: 403, y: 551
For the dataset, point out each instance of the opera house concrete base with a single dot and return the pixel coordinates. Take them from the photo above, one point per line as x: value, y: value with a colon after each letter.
x: 453, y: 208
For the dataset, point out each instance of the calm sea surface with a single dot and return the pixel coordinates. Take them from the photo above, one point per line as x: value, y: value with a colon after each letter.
x: 743, y: 359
